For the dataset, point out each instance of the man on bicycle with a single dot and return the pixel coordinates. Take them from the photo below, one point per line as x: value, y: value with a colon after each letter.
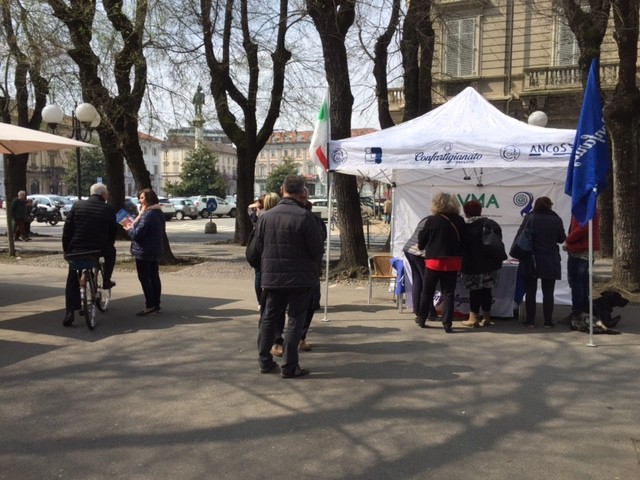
x: 90, y: 225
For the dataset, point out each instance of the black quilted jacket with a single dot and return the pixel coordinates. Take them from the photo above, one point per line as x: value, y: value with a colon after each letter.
x: 290, y: 245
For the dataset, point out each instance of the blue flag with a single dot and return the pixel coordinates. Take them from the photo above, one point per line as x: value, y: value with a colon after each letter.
x: 589, y: 162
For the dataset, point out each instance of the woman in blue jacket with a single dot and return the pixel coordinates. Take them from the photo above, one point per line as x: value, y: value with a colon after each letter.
x: 146, y: 234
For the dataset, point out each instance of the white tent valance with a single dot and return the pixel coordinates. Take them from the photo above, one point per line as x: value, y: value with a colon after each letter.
x: 465, y: 132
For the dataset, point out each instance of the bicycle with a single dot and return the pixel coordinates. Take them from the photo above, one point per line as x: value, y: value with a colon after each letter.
x: 89, y: 268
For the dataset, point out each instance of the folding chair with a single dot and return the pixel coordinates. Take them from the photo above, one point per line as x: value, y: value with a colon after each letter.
x: 380, y: 269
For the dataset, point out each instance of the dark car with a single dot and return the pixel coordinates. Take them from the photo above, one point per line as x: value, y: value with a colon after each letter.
x: 130, y: 206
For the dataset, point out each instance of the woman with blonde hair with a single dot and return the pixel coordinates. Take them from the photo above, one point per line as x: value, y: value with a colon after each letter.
x: 441, y: 238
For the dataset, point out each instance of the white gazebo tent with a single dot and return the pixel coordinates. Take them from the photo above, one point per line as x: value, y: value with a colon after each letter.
x: 469, y: 148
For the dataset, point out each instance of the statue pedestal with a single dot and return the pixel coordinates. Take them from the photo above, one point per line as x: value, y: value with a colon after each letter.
x: 210, y: 227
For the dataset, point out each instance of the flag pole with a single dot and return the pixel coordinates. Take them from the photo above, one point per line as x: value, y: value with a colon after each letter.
x: 328, y: 255
x: 329, y: 208
x: 591, y: 344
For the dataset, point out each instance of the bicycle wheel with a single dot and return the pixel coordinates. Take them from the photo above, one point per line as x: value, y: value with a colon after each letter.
x: 103, y: 295
x: 89, y: 302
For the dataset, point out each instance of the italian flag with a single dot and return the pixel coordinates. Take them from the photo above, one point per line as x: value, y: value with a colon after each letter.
x: 320, y: 138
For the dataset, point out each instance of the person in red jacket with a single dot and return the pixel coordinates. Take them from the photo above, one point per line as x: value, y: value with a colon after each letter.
x: 577, y: 247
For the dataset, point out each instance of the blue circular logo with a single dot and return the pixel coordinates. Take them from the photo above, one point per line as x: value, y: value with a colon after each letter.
x: 212, y: 205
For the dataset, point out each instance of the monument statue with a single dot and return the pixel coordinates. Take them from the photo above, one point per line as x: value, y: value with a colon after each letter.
x: 198, y: 100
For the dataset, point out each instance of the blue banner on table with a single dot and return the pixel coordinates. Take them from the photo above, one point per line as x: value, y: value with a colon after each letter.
x: 589, y: 162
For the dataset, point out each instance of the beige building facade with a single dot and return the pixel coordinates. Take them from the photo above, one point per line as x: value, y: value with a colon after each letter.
x: 176, y: 149
x: 520, y: 55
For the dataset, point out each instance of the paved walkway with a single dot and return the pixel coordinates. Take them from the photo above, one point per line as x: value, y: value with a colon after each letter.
x: 179, y: 396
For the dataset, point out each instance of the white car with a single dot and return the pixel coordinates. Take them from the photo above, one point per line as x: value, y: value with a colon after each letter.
x: 168, y: 208
x: 321, y: 206
x: 224, y: 207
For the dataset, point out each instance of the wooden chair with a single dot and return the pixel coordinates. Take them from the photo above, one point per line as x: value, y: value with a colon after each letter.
x: 380, y: 269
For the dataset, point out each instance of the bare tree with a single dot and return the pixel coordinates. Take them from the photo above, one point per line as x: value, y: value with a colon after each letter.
x: 622, y: 116
x: 26, y: 77
x: 417, y: 58
x: 332, y: 20
x: 118, y: 130
x: 221, y: 24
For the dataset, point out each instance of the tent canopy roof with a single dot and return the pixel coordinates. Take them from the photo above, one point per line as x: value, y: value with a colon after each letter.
x: 465, y: 132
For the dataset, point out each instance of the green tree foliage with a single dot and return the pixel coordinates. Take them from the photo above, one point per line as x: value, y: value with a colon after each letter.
x: 278, y: 174
x: 199, y: 176
x: 92, y: 167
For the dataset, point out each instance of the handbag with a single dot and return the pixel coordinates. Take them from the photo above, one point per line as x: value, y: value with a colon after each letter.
x: 491, y: 244
x: 522, y: 246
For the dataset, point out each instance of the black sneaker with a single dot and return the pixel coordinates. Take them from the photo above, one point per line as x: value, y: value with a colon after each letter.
x: 68, y: 319
x: 549, y: 324
x: 270, y: 367
x: 108, y: 284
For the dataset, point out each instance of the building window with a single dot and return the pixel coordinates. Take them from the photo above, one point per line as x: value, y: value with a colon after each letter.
x: 155, y: 169
x: 155, y: 151
x: 567, y: 49
x: 460, y: 54
x: 262, y: 170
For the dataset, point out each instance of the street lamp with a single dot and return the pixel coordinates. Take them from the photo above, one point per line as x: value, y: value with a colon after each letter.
x: 538, y: 118
x: 84, y: 119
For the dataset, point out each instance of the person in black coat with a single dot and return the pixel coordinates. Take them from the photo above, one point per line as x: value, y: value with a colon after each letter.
x: 480, y: 272
x: 90, y: 225
x: 544, y: 263
x: 290, y: 246
x: 441, y: 238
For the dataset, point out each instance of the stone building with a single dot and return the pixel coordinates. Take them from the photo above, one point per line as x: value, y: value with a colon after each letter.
x: 520, y: 55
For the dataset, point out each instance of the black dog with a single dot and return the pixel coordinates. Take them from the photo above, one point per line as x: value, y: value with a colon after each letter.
x: 603, y: 322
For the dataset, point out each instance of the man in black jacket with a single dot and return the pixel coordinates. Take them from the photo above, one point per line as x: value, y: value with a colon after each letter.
x: 291, y: 246
x: 90, y: 225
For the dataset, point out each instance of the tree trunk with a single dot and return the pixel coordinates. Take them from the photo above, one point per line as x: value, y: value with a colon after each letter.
x: 605, y: 210
x: 332, y: 20
x: 623, y: 121
x: 417, y: 57
x: 249, y: 140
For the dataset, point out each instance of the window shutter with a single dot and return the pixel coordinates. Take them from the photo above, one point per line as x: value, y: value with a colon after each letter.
x: 567, y: 50
x: 460, y: 49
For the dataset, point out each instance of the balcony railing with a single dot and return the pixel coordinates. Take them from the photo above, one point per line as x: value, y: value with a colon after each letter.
x: 396, y: 98
x: 565, y: 77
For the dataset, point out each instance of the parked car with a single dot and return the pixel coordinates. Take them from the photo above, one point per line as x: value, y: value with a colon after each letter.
x: 224, y: 207
x: 52, y: 202
x: 2, y: 202
x: 184, y: 208
x: 132, y: 206
x: 168, y: 208
x: 320, y: 205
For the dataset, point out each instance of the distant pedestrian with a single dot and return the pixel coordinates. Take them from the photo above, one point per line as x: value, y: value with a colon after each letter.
x: 290, y: 244
x: 147, y: 233
x: 19, y: 216
x: 386, y: 209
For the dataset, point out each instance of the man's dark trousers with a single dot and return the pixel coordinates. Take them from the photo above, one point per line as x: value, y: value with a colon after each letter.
x: 298, y: 301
